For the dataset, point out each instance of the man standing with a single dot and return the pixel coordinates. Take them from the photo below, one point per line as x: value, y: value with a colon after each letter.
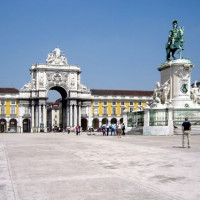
x: 119, y: 130
x: 186, y: 128
x: 123, y: 129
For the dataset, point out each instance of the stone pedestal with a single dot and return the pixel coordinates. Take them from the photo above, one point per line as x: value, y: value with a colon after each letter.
x: 164, y: 127
x: 178, y: 73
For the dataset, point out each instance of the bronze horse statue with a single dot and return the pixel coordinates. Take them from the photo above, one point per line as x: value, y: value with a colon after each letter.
x: 175, y: 41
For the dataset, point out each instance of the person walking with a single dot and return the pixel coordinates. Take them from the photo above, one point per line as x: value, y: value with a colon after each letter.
x: 68, y: 130
x: 186, y: 128
x: 107, y: 128
x: 77, y: 130
x: 112, y: 129
x: 123, y: 129
x: 119, y: 130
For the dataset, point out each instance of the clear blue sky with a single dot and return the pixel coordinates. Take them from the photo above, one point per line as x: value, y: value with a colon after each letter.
x: 119, y: 44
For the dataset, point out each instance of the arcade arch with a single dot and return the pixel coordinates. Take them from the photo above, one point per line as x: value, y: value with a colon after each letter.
x: 60, y: 90
x: 56, y: 110
x: 113, y: 121
x: 3, y: 125
x: 26, y: 126
x: 84, y: 123
x: 95, y: 123
x: 104, y: 121
x: 13, y: 124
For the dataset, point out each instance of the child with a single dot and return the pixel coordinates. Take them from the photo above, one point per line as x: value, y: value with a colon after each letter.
x: 104, y: 131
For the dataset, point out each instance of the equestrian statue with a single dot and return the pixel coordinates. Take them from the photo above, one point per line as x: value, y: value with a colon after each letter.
x: 175, y: 41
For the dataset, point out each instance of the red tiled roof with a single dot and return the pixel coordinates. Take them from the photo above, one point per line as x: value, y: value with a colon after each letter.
x: 121, y: 92
x: 9, y: 90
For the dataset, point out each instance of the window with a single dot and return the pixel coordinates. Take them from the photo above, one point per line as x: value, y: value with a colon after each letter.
x: 26, y: 110
x: 13, y: 102
x: 3, y: 110
x: 55, y: 116
x: 131, y: 103
x: 105, y: 110
x: 83, y: 110
x: 2, y: 102
x: 114, y: 111
x: 96, y: 103
x: 13, y: 110
x: 139, y: 103
x: 131, y: 109
x: 113, y: 103
x: 122, y: 110
x: 105, y: 103
x: 122, y: 103
x: 95, y: 111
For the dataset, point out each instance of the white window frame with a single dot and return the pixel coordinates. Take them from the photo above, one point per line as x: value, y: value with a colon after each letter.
x: 105, y: 111
x: 113, y: 110
x: 13, y: 111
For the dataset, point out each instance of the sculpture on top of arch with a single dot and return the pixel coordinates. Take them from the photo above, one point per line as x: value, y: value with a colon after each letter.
x: 56, y: 57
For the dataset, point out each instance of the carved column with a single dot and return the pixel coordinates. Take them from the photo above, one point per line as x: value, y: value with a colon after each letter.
x: 32, y: 117
x: 79, y: 114
x: 39, y: 116
x: 70, y: 115
x: 20, y: 117
x: 45, y: 117
x: 75, y: 115
x: 36, y: 117
x: 89, y: 115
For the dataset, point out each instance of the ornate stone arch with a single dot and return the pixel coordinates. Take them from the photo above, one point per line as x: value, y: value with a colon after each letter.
x: 62, y: 90
x: 55, y: 74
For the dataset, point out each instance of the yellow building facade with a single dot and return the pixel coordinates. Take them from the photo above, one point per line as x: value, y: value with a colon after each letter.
x: 9, y: 110
x: 108, y: 106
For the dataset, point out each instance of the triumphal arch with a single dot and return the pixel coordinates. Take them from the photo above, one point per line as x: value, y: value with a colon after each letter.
x: 55, y: 74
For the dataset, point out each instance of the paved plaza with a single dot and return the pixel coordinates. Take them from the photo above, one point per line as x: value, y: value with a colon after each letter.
x: 59, y: 166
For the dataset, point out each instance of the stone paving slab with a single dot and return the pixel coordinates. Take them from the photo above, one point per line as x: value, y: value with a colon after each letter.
x: 59, y: 166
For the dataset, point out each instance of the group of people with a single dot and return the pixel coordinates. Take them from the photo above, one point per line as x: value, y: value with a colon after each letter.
x: 113, y: 129
x: 58, y: 129
x: 119, y: 130
x: 67, y: 129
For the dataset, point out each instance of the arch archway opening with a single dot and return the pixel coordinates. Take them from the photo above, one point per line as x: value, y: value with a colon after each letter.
x: 57, y: 108
x: 60, y: 90
x: 26, y: 126
x: 104, y: 121
x: 3, y: 125
x: 13, y: 125
x: 96, y: 123
x: 113, y: 121
x: 84, y: 124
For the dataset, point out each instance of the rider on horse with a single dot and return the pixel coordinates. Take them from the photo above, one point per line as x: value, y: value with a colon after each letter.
x: 175, y: 40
